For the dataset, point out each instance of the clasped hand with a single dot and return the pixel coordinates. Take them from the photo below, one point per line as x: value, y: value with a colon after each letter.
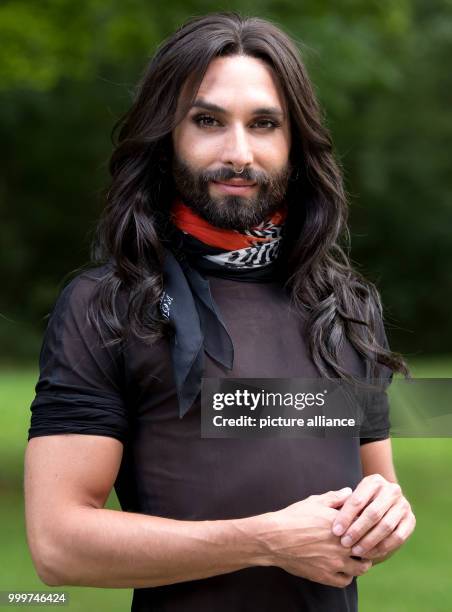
x: 375, y: 520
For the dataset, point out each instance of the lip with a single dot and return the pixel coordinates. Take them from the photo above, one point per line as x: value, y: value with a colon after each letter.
x: 234, y: 186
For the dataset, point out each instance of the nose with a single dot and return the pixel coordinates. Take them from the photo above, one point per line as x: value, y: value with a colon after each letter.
x: 236, y: 149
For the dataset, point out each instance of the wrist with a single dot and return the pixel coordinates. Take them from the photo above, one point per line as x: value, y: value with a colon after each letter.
x: 259, y: 534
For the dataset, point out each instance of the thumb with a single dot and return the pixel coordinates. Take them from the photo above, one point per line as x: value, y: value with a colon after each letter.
x: 333, y: 499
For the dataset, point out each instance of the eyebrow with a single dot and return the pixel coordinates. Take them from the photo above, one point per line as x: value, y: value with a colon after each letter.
x: 263, y: 110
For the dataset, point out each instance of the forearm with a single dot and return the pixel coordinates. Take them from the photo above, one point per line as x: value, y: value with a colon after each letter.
x: 109, y: 548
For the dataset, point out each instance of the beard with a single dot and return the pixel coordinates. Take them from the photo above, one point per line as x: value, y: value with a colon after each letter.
x: 230, y: 211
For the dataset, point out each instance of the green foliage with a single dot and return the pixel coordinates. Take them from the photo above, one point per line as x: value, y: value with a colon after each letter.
x: 381, y: 70
x: 46, y: 42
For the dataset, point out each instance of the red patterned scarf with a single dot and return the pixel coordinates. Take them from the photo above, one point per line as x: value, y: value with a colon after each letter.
x: 246, y: 249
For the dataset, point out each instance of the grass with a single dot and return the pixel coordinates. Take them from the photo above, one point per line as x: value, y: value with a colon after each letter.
x: 416, y: 579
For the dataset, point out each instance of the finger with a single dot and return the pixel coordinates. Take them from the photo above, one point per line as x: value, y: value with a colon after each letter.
x: 340, y: 579
x: 364, y: 492
x: 335, y: 499
x: 384, y: 528
x: 372, y: 515
x: 374, y: 554
x: 395, y: 540
x: 357, y: 568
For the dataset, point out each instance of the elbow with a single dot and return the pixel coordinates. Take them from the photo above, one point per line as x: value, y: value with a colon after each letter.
x: 47, y: 577
x: 47, y: 572
x: 48, y: 564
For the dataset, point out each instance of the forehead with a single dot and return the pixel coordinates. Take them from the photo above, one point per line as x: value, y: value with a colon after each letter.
x: 239, y: 79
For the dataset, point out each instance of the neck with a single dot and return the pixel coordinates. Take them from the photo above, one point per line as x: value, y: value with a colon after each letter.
x: 242, y: 255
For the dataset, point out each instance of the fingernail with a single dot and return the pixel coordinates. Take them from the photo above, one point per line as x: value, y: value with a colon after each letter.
x: 346, y: 490
x: 357, y: 550
x: 338, y: 529
x: 346, y: 541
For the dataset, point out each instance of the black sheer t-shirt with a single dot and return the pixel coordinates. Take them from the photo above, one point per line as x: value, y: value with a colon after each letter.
x: 167, y: 469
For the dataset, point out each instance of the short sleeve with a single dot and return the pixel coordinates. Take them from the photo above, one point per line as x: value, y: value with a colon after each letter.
x: 377, y: 424
x: 79, y: 386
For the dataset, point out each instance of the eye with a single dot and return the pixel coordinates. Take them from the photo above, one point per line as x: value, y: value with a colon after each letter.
x: 267, y: 124
x: 205, y: 121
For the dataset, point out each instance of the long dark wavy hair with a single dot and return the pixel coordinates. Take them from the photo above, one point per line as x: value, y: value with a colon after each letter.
x: 335, y: 300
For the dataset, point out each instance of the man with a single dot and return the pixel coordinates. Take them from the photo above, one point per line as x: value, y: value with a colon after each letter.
x: 220, y: 258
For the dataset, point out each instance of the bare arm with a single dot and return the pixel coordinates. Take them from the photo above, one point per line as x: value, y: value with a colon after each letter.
x: 74, y: 540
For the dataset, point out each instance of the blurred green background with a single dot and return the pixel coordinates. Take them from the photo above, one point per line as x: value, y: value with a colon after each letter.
x: 382, y: 73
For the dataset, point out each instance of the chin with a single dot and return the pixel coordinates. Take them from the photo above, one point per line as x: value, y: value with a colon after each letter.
x: 234, y: 224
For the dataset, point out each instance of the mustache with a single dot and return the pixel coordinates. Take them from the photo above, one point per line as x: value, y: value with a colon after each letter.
x: 227, y: 174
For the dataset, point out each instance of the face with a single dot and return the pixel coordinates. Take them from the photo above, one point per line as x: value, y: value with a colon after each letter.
x: 238, y: 120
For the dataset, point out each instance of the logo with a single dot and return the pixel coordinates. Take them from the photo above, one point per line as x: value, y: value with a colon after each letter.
x: 165, y: 303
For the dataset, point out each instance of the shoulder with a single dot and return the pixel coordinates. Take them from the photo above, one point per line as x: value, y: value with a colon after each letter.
x: 85, y: 282
x: 76, y: 331
x: 77, y: 292
x: 87, y: 307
